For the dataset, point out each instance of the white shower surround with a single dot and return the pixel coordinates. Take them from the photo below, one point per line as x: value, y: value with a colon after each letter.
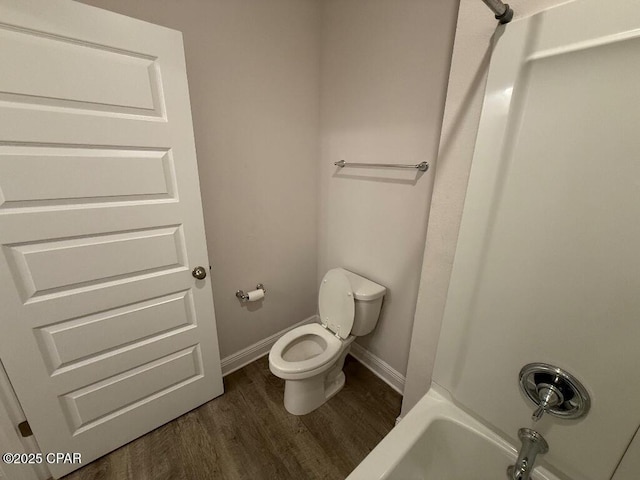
x: 491, y: 326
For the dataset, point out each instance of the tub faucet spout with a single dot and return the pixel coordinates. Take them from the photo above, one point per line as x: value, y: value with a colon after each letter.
x: 533, y: 444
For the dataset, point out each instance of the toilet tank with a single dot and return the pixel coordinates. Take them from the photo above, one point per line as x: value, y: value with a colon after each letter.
x: 368, y: 297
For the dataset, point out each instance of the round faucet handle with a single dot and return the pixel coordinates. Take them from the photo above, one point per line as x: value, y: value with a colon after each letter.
x: 558, y: 392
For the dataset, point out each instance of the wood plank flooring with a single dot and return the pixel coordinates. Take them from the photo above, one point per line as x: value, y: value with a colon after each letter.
x: 247, y: 434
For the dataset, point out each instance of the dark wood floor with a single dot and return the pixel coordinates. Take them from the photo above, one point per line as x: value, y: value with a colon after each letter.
x: 247, y: 434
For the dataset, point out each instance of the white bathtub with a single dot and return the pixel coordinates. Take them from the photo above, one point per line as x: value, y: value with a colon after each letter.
x: 439, y: 441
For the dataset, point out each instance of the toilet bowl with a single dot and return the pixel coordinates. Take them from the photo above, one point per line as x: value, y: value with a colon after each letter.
x: 310, y: 358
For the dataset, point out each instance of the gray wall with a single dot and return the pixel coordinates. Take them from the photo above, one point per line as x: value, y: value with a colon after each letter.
x: 384, y: 73
x: 259, y: 71
x: 253, y: 75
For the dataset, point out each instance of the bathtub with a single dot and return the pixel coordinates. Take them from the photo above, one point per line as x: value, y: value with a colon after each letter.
x: 439, y: 441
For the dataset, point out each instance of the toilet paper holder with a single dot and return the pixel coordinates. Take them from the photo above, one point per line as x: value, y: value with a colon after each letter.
x: 244, y: 297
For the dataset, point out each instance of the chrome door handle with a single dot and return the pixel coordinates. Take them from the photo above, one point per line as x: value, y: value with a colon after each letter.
x: 199, y: 273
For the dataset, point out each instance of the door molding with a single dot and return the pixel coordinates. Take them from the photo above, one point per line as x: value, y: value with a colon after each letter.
x: 11, y: 415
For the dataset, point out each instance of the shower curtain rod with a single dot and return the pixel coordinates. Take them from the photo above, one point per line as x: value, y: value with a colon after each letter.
x: 503, y: 11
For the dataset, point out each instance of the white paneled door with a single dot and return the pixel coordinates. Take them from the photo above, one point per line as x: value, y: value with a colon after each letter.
x: 105, y: 333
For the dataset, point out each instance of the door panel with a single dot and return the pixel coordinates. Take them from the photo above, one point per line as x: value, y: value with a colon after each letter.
x: 106, y: 334
x: 71, y: 341
x: 61, y: 266
x: 30, y: 176
x: 65, y: 73
x: 96, y: 403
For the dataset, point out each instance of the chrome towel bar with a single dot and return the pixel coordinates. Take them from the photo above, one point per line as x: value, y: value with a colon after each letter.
x: 422, y: 166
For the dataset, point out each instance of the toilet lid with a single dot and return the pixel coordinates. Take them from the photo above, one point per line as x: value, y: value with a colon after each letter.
x: 335, y: 303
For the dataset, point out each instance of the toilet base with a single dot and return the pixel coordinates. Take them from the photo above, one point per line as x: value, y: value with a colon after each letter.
x: 304, y: 396
x: 335, y: 386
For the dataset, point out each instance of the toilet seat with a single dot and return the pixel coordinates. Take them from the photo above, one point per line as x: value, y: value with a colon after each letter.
x: 276, y: 360
x: 336, y: 303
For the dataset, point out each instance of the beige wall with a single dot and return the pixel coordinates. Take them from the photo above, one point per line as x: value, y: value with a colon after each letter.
x: 384, y: 72
x: 258, y: 73
x: 470, y: 62
x: 253, y: 78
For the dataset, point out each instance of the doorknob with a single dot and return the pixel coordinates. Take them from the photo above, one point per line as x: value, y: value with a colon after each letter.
x: 199, y: 273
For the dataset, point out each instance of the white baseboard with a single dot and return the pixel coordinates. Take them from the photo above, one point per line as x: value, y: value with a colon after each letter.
x: 398, y: 420
x: 379, y: 367
x: 244, y: 357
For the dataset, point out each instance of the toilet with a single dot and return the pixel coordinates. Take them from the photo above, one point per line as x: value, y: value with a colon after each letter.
x: 310, y: 357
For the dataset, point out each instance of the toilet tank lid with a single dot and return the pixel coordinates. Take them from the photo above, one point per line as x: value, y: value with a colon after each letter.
x: 363, y: 288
